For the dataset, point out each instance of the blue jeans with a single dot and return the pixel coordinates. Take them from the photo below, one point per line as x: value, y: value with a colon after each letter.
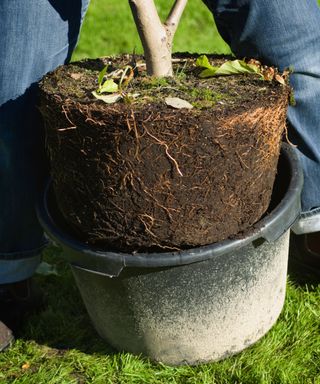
x: 285, y: 33
x: 35, y: 37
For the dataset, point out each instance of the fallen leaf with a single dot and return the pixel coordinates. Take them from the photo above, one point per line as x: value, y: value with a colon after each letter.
x: 235, y: 67
x: 25, y: 366
x: 176, y: 102
x: 109, y: 99
x: 76, y: 76
x: 280, y: 79
x: 230, y: 67
x: 268, y: 73
x: 203, y: 62
x: 109, y: 86
x: 255, y: 62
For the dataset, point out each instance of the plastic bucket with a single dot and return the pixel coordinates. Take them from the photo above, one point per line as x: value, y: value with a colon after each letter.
x: 192, y: 306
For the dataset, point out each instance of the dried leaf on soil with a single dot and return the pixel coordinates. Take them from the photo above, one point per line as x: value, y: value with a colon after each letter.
x: 177, y: 103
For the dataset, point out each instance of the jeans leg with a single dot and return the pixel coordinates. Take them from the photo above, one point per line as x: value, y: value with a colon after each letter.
x: 35, y: 37
x: 285, y: 33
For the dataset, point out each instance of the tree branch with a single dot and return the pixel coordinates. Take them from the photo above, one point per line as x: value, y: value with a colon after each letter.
x: 174, y: 16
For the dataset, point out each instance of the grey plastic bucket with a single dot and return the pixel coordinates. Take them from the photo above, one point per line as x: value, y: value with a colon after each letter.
x: 192, y: 306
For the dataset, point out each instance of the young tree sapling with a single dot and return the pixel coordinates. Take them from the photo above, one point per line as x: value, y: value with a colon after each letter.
x: 156, y: 37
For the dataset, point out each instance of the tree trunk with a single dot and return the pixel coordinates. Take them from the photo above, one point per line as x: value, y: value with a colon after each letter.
x: 156, y: 37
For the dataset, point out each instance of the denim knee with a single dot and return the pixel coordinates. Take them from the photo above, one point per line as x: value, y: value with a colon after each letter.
x: 284, y: 34
x: 35, y: 37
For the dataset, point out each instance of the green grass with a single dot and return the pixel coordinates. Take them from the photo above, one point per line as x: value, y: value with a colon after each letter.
x: 109, y: 29
x: 59, y: 345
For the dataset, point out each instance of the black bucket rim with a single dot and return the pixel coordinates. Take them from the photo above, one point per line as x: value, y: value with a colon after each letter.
x: 281, y: 218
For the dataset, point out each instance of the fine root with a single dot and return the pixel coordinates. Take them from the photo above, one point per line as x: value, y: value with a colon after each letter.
x: 135, y: 130
x: 287, y: 137
x: 165, y: 145
x: 241, y: 161
x: 73, y: 126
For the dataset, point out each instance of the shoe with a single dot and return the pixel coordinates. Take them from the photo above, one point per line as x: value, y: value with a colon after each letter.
x: 313, y: 242
x: 17, y: 300
x: 302, y: 259
x: 6, y: 337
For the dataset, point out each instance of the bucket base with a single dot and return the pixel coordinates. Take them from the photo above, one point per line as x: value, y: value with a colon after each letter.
x: 192, y: 314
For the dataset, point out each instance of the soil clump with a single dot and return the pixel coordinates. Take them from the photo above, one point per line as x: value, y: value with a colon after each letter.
x: 140, y: 176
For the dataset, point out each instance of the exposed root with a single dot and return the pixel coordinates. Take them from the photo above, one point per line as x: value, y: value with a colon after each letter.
x: 287, y: 137
x: 241, y: 161
x: 65, y: 129
x: 166, y: 150
x: 135, y: 130
x: 223, y: 149
x: 137, y: 136
x: 148, y: 222
x: 166, y: 210
x: 116, y: 206
x: 127, y: 179
x: 73, y: 126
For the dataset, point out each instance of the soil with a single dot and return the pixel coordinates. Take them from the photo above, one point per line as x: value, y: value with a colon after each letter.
x: 139, y: 175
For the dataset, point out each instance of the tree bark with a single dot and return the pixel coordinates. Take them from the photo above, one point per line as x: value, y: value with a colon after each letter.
x: 156, y: 37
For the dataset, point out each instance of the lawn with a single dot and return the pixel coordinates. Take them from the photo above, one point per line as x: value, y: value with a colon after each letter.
x: 59, y: 345
x: 109, y: 28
